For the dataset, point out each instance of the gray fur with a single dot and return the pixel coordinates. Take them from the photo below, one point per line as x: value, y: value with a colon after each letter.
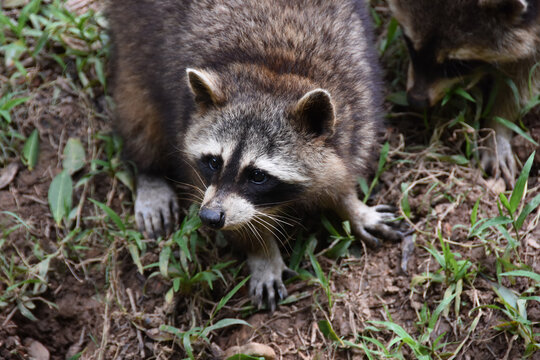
x: 219, y: 91
x: 501, y: 33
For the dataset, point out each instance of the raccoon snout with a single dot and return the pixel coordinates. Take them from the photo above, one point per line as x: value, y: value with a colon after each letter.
x: 212, y: 217
x: 417, y: 100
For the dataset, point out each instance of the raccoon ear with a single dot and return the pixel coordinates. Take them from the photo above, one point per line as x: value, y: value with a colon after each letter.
x: 205, y: 87
x: 315, y: 112
x: 512, y: 8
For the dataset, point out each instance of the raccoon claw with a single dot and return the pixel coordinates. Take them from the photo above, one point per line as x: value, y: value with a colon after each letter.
x: 267, y: 287
x: 375, y: 223
x: 274, y: 290
x: 156, y: 209
x: 385, y: 209
x: 498, y: 160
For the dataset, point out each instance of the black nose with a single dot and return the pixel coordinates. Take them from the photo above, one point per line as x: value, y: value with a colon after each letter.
x: 417, y: 101
x: 213, y: 218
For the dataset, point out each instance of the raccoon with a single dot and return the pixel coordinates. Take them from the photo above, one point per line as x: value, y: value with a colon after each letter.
x: 451, y: 40
x: 263, y: 105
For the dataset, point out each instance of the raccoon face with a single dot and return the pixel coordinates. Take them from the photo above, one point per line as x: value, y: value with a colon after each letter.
x: 249, y: 152
x: 449, y: 40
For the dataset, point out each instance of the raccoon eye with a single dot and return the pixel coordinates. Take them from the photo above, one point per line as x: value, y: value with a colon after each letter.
x: 214, y: 163
x: 258, y: 177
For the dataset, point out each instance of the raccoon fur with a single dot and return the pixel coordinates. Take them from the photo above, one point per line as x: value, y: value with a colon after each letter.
x: 264, y: 105
x: 451, y: 40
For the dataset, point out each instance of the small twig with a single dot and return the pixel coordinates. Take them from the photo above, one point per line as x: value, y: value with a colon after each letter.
x: 106, y: 327
x: 139, y: 334
x: 11, y: 313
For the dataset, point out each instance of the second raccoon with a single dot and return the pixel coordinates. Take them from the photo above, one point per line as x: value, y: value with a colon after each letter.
x: 263, y: 105
x: 449, y: 40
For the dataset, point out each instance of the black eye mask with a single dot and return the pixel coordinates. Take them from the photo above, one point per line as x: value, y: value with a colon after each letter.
x: 425, y: 63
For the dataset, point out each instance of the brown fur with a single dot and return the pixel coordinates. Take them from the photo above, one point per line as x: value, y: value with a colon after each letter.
x: 292, y: 65
x: 289, y: 88
x: 442, y: 35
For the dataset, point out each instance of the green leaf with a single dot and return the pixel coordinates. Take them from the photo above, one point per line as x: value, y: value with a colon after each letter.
x: 519, y: 189
x: 207, y: 276
x: 31, y: 150
x: 229, y: 295
x: 506, y: 204
x: 186, y: 341
x: 329, y: 227
x: 112, y: 215
x: 516, y: 129
x: 405, y: 200
x: 530, y: 274
x: 60, y: 193
x: 392, y: 33
x: 506, y: 295
x: 10, y: 104
x: 244, y: 357
x: 530, y: 207
x: 474, y: 213
x: 318, y: 270
x: 328, y: 331
x: 363, y: 186
x: 25, y: 312
x: 453, y: 159
x: 515, y: 91
x: 464, y: 94
x: 223, y: 323
x: 164, y: 257
x: 169, y: 296
x: 126, y: 179
x: 134, y: 251
x: 396, y: 329
x: 499, y: 220
x: 74, y: 157
x: 435, y: 316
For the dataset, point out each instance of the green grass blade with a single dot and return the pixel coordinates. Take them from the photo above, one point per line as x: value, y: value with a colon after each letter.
x: 328, y: 331
x: 530, y: 207
x: 519, y: 189
x: 530, y: 274
x: 111, y: 213
x: 222, y: 324
x: 464, y: 94
x: 31, y: 150
x: 229, y: 295
x: 474, y: 213
x: 164, y: 257
x: 74, y: 156
x: 60, y: 194
x: 515, y: 129
x: 440, y: 308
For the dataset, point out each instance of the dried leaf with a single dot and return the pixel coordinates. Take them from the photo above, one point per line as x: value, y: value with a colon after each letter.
x: 8, y: 174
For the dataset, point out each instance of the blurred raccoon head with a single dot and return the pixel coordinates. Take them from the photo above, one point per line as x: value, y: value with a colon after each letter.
x: 250, y: 151
x: 450, y: 39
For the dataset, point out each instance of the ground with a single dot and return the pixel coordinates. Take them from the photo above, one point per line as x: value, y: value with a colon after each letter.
x: 77, y: 280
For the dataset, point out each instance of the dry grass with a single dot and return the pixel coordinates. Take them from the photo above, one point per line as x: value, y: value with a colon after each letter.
x: 90, y: 287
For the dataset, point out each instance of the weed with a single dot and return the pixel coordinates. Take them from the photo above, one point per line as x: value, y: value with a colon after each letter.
x: 40, y: 30
x: 22, y: 280
x: 514, y: 307
x: 510, y: 213
x: 197, y: 333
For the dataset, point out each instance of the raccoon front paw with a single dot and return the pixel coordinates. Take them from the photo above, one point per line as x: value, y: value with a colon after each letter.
x: 266, y: 284
x: 156, y: 208
x: 498, y: 160
x: 374, y: 223
x: 267, y: 288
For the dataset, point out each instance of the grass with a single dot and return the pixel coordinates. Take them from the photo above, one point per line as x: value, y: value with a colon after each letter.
x: 186, y: 294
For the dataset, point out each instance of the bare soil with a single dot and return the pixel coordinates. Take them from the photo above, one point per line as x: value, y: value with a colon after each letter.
x: 107, y: 310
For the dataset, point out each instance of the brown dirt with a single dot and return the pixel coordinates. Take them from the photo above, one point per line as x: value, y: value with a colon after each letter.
x: 106, y: 309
